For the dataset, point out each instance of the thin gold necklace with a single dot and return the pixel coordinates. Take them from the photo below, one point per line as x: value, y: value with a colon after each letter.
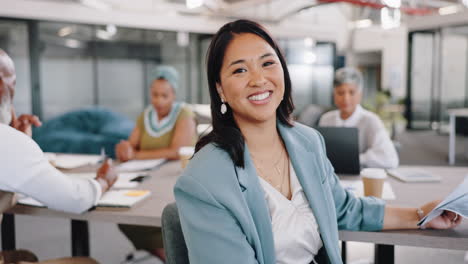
x: 279, y: 171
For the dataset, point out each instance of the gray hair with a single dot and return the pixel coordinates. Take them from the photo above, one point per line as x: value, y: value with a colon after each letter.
x: 348, y: 75
x: 167, y: 73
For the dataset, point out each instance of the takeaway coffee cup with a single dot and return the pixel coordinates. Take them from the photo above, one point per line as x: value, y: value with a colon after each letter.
x: 185, y: 153
x: 373, y: 180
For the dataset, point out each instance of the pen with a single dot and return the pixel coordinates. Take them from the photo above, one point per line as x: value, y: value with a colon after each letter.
x: 103, y: 154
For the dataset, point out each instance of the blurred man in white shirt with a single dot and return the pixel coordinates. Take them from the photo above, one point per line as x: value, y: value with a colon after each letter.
x: 375, y: 147
x: 25, y: 169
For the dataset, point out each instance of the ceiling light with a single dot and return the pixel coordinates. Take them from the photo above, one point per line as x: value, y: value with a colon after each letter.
x: 310, y: 57
x: 193, y: 3
x: 183, y: 39
x: 97, y: 4
x: 392, y: 3
x: 107, y: 34
x: 390, y: 18
x: 363, y: 23
x: 309, y: 42
x: 73, y: 43
x: 65, y: 31
x: 448, y: 10
x: 111, y: 29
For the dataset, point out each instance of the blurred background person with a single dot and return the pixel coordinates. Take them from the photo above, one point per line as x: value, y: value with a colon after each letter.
x: 163, y: 127
x: 375, y: 146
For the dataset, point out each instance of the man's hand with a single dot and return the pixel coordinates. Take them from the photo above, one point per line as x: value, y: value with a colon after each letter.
x: 106, y: 175
x: 24, y: 123
x: 124, y: 151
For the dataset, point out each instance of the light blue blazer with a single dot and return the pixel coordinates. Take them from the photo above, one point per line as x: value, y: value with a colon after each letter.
x: 225, y: 217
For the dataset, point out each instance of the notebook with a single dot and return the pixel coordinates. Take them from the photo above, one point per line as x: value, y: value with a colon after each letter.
x: 413, y: 175
x: 112, y: 198
x: 140, y: 165
x: 126, y: 180
x: 123, y: 198
x: 72, y: 161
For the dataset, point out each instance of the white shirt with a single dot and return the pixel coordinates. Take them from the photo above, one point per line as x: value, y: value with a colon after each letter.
x: 25, y: 169
x: 375, y: 147
x: 295, y: 230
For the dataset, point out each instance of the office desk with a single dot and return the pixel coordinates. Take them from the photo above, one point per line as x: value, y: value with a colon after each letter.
x: 415, y: 195
x: 453, y: 114
x: 147, y: 212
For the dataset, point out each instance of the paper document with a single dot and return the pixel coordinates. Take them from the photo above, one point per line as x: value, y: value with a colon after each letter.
x: 140, y: 165
x: 112, y: 198
x: 125, y: 179
x: 123, y: 198
x: 72, y: 161
x: 357, y: 188
x: 413, y: 175
x: 456, y: 201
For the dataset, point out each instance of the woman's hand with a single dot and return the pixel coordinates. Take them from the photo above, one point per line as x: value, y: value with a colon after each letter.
x: 446, y: 220
x: 124, y: 151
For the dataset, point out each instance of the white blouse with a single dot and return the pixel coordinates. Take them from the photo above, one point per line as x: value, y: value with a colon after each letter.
x: 375, y: 146
x: 295, y: 230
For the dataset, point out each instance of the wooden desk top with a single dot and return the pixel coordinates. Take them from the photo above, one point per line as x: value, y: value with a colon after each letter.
x: 147, y: 212
x: 415, y: 195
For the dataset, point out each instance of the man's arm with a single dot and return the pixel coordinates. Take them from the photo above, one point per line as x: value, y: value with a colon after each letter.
x: 26, y: 170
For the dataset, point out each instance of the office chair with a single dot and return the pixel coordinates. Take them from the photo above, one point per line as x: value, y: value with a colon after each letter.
x: 173, y: 238
x: 174, y: 242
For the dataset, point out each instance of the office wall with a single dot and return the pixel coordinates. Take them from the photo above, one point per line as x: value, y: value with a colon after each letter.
x: 453, y: 71
x: 120, y: 83
x: 66, y: 84
x: 393, y: 45
x: 14, y: 40
x: 422, y: 83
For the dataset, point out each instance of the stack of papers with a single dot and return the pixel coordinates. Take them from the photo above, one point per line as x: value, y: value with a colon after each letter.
x: 112, y: 198
x: 125, y: 180
x: 140, y: 165
x: 457, y: 202
x: 357, y: 188
x: 72, y: 161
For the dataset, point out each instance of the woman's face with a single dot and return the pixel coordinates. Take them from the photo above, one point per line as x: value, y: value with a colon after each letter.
x: 252, y: 79
x: 162, y: 96
x: 347, y: 97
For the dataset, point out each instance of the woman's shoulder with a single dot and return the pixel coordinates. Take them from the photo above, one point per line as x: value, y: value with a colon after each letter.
x: 305, y: 133
x: 328, y: 118
x: 371, y: 118
x: 304, y: 129
x: 210, y: 161
x: 185, y: 111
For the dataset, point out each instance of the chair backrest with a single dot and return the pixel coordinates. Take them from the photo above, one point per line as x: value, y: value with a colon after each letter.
x: 173, y: 238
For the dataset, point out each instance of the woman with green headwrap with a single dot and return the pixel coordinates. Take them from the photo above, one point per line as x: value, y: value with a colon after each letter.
x: 163, y: 127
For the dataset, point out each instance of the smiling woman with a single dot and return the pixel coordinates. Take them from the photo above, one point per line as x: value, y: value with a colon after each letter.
x: 242, y: 75
x: 260, y: 188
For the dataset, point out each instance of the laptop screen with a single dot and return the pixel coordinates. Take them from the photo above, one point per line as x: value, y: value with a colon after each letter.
x: 342, y: 144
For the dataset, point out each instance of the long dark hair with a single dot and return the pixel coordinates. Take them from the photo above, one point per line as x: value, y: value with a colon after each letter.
x: 226, y: 134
